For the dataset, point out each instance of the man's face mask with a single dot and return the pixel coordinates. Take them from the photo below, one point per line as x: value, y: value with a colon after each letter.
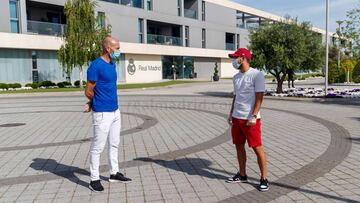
x: 115, y: 55
x: 236, y: 64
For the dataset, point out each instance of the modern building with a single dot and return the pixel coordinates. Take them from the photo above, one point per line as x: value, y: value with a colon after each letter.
x: 158, y: 37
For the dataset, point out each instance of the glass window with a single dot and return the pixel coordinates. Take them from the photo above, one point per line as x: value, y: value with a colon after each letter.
x: 149, y: 5
x: 14, y: 21
x: 34, y: 59
x: 237, y: 41
x: 203, y: 38
x: 14, y: 25
x: 101, y: 19
x: 141, y: 30
x: 126, y: 2
x: 13, y: 9
x: 203, y: 10
x: 112, y: 1
x: 187, y: 33
x: 137, y: 3
x: 179, y: 7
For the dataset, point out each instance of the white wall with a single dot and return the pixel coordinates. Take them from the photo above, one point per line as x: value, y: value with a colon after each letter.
x: 227, y: 70
x: 148, y: 68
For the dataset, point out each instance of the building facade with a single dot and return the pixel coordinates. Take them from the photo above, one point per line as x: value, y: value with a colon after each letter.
x: 159, y: 38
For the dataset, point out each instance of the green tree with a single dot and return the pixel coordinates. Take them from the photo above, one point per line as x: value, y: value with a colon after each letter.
x: 356, y: 73
x: 83, y: 37
x: 334, y: 73
x: 278, y: 47
x: 348, y: 65
x: 352, y: 30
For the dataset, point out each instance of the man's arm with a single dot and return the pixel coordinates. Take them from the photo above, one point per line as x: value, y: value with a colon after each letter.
x: 89, y: 93
x: 231, y: 111
x: 259, y: 97
x: 89, y: 90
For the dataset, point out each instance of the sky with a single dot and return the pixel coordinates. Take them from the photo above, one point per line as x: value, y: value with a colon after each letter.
x: 306, y: 10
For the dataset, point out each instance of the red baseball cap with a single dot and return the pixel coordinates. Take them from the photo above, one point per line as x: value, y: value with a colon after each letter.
x: 241, y: 52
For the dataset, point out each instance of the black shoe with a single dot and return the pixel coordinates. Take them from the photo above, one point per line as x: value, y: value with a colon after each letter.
x: 264, y: 185
x: 237, y: 178
x: 119, y: 177
x: 96, y: 186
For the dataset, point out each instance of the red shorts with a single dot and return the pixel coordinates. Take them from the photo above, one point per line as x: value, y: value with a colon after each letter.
x: 241, y: 132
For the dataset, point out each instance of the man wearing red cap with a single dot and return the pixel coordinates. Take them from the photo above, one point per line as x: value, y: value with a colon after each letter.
x: 249, y: 88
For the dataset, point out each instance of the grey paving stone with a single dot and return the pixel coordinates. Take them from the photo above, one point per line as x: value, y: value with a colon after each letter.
x: 178, y: 127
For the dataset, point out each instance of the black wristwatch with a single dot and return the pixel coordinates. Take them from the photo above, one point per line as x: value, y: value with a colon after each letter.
x: 254, y: 116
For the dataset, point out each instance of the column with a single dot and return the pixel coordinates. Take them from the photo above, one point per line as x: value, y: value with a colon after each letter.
x: 22, y: 16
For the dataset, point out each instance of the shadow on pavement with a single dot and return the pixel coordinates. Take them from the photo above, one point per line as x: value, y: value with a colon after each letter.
x: 62, y: 170
x: 356, y: 118
x: 191, y: 166
x: 355, y: 140
x: 217, y: 94
x: 294, y: 188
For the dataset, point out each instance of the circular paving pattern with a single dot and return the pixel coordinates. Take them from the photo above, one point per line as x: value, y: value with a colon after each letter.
x: 335, y: 152
x: 148, y: 122
x: 9, y: 125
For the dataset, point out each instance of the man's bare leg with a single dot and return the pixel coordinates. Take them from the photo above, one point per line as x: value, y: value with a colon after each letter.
x: 261, y: 158
x: 241, y: 155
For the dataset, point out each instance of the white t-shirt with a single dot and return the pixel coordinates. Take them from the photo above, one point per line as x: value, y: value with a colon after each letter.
x: 245, y: 86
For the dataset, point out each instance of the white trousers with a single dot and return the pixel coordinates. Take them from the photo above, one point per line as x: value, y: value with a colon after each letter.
x: 106, y: 128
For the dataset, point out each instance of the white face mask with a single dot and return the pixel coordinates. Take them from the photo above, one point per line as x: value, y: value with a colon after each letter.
x: 236, y: 64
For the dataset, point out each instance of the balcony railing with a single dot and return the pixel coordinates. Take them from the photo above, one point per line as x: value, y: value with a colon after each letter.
x: 164, y: 40
x: 132, y: 3
x: 230, y: 46
x: 247, y: 26
x: 190, y: 13
x: 45, y: 28
x: 241, y: 25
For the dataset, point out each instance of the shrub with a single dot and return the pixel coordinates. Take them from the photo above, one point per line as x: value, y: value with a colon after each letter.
x: 66, y: 83
x: 356, y: 79
x: 4, y: 86
x: 46, y: 84
x: 77, y: 83
x: 356, y: 73
x: 14, y: 85
x: 336, y: 75
x: 61, y: 85
x: 32, y: 85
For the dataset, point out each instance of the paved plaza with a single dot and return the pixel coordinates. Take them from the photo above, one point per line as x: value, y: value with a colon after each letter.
x: 176, y: 146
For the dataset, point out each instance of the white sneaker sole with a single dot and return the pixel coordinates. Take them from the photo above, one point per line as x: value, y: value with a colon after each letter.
x: 264, y: 189
x: 238, y: 181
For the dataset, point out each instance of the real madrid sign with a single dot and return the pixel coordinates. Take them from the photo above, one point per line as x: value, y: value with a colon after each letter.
x: 132, y: 68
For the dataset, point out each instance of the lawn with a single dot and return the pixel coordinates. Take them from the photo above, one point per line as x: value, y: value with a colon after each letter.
x: 121, y: 86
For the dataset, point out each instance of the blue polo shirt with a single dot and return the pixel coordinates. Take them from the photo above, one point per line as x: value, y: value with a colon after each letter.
x: 105, y: 91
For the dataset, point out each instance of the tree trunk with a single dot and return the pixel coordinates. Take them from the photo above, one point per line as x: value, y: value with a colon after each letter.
x: 68, y: 77
x: 280, y: 81
x: 81, y: 77
x: 279, y: 88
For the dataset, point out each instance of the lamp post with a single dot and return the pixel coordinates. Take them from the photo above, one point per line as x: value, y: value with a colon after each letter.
x: 327, y: 49
x: 339, y: 34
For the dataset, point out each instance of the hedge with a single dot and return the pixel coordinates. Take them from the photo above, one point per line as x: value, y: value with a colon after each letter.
x: 32, y: 85
x: 356, y: 73
x: 46, y: 84
x: 63, y: 84
x: 77, y: 83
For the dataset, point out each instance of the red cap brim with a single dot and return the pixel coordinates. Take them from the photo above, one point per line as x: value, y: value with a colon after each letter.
x: 233, y: 55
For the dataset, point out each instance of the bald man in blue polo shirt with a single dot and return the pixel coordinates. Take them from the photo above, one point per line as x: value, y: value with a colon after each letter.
x: 101, y: 90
